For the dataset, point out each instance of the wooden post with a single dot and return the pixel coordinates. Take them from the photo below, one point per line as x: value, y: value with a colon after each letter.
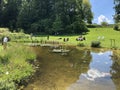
x: 112, y: 42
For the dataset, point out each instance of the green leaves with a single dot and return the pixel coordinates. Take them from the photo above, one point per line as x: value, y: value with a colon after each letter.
x: 15, y: 66
x: 117, y: 10
x: 45, y: 16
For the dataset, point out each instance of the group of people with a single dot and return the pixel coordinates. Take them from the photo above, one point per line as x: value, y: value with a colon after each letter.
x: 80, y: 38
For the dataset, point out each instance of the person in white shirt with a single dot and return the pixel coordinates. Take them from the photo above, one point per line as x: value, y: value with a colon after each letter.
x: 5, y: 40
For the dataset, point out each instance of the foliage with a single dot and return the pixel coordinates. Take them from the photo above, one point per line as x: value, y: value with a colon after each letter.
x: 87, y: 11
x: 7, y: 84
x: 4, y: 59
x: 95, y: 44
x: 104, y: 23
x: 97, y: 26
x: 91, y: 26
x: 46, y: 16
x: 57, y: 25
x: 117, y: 10
x: 18, y: 68
x: 116, y: 27
x: 9, y: 13
x: 79, y: 27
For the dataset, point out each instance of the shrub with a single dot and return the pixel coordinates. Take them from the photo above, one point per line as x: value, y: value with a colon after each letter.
x: 4, y: 59
x: 81, y: 44
x: 95, y: 44
x: 116, y: 27
x: 104, y: 23
x: 91, y: 26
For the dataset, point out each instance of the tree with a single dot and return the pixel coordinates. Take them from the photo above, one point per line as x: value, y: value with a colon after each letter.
x: 104, y: 23
x: 26, y: 15
x: 117, y: 11
x: 0, y: 10
x: 57, y: 25
x: 88, y: 15
x: 46, y: 16
x: 10, y: 9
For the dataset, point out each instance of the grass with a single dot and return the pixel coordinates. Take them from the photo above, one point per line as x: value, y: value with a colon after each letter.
x: 15, y: 66
x: 1, y: 47
x: 93, y: 34
x: 106, y: 33
x: 17, y: 56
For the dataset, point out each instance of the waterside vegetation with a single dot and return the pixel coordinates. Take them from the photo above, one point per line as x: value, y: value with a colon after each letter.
x: 15, y: 66
x: 15, y: 61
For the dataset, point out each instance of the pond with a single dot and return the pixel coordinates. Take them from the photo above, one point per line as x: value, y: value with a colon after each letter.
x: 78, y: 70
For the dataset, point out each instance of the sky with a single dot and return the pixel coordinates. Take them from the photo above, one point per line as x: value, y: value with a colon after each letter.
x: 102, y: 11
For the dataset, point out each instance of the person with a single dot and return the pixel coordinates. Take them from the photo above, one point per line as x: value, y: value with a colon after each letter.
x: 48, y: 37
x: 5, y: 40
x: 31, y: 35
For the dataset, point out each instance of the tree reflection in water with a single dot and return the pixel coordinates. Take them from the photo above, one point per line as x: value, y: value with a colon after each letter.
x: 79, y: 70
x: 57, y: 72
x: 98, y: 76
x: 116, y: 70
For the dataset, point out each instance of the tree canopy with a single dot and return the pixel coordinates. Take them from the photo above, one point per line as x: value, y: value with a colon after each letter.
x: 117, y: 11
x: 46, y: 16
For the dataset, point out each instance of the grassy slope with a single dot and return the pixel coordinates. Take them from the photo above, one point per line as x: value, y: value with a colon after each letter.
x: 93, y: 35
x: 108, y: 33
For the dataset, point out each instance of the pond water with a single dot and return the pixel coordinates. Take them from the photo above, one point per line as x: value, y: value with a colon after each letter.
x: 78, y: 70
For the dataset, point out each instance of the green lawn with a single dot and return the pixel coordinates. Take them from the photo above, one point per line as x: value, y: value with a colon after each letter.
x: 14, y: 64
x: 105, y: 34
x: 92, y: 35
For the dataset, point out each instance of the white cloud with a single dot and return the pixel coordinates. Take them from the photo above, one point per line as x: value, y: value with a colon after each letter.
x: 103, y: 18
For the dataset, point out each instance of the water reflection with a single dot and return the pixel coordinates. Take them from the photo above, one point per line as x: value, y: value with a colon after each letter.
x: 98, y: 77
x: 79, y: 70
x: 116, y: 71
x: 57, y: 72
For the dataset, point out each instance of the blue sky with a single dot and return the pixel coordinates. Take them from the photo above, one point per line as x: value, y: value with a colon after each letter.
x: 102, y: 11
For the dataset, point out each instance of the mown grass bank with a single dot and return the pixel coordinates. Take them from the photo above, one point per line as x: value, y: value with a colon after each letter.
x: 15, y: 68
x: 107, y: 36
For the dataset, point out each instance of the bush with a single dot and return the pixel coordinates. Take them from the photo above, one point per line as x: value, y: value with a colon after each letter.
x: 81, y: 44
x: 91, y: 26
x: 116, y: 27
x: 4, y: 59
x: 95, y: 44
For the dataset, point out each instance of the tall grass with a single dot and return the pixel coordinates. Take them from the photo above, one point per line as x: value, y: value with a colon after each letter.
x: 16, y: 66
